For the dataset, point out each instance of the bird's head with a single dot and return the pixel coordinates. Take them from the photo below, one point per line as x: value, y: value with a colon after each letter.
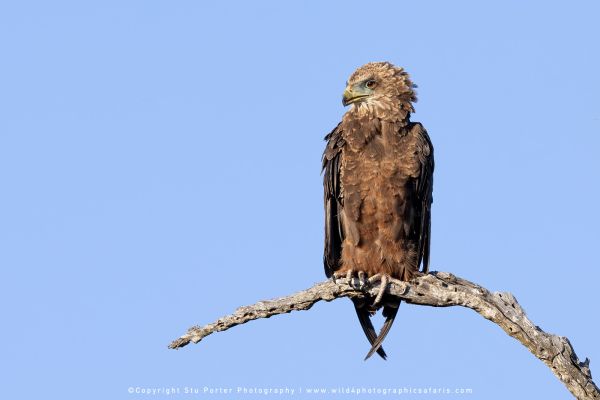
x: 379, y: 84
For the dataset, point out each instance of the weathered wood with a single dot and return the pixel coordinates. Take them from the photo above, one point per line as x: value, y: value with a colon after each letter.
x: 438, y: 289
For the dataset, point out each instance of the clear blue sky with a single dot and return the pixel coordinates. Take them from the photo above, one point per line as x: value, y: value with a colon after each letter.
x: 160, y: 166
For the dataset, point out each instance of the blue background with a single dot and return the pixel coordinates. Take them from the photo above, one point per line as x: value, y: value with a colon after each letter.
x: 160, y: 166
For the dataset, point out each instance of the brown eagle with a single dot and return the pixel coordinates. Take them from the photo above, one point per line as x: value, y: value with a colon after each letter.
x: 378, y: 177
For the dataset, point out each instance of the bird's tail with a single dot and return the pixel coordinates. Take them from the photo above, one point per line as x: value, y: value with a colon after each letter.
x: 389, y: 312
x: 365, y: 322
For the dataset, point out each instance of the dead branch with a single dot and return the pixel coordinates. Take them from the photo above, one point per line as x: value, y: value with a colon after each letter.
x: 438, y: 289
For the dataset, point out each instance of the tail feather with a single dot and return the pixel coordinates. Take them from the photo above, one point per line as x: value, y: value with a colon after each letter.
x: 390, y: 313
x: 368, y: 328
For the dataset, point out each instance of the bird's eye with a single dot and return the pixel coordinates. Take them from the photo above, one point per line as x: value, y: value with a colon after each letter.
x: 370, y: 84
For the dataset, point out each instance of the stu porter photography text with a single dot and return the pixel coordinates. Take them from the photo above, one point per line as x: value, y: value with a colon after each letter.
x: 288, y: 391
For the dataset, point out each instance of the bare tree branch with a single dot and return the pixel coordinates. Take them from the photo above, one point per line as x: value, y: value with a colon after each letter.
x: 438, y: 289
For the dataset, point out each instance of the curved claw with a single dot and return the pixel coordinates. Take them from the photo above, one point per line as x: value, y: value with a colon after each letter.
x: 382, y: 288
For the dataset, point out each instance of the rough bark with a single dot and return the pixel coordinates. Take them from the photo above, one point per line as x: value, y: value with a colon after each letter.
x: 438, y: 289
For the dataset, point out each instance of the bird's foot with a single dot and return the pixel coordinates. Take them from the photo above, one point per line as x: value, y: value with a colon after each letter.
x: 356, y: 279
x: 383, y: 280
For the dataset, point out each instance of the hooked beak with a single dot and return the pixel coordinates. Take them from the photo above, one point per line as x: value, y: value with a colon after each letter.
x: 352, y: 95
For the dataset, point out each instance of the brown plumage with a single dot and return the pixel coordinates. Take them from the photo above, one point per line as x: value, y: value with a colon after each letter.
x: 378, y: 176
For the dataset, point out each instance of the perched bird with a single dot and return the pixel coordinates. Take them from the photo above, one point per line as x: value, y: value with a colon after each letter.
x: 378, y: 177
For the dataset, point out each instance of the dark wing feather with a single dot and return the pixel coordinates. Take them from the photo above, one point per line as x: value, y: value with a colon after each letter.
x: 424, y: 192
x: 364, y: 317
x: 333, y: 201
x: 389, y: 312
